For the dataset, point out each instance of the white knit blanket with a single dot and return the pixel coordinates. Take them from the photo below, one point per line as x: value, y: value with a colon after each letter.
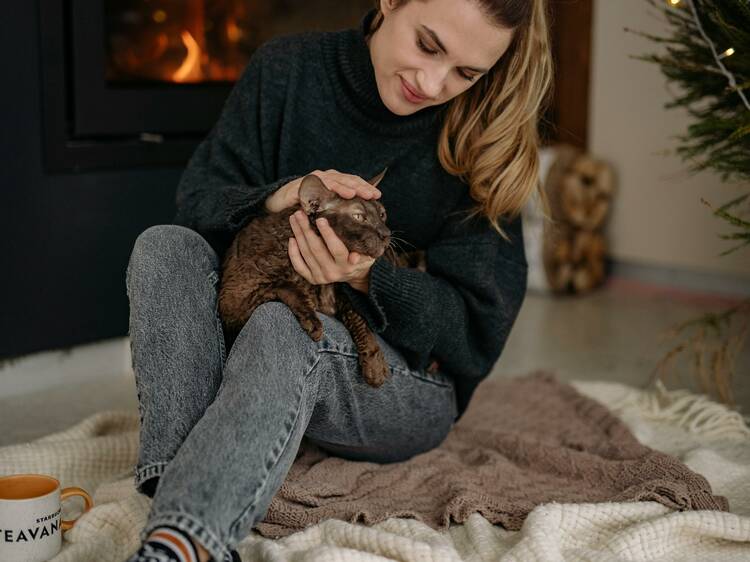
x: 99, y: 453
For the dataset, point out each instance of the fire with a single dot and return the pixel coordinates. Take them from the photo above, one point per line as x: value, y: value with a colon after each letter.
x: 190, y: 69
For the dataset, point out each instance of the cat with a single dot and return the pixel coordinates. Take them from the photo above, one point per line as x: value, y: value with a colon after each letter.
x: 256, y: 268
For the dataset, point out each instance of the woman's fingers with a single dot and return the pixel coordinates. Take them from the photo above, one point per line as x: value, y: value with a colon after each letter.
x: 344, y: 190
x: 298, y: 261
x: 349, y: 185
x: 307, y: 245
x: 362, y: 188
x: 336, y: 247
x: 324, y: 258
x: 334, y: 184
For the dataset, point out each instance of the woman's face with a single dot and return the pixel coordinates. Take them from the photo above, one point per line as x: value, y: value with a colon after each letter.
x: 400, y: 61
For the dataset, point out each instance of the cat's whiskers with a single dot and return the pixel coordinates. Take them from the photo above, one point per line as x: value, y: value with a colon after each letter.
x: 396, y: 238
x: 393, y: 233
x: 392, y: 252
x: 392, y: 244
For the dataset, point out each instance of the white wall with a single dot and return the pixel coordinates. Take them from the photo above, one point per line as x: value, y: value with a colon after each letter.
x: 657, y: 216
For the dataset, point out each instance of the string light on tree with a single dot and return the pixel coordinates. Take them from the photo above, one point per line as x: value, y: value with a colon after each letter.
x: 718, y: 138
x: 727, y: 53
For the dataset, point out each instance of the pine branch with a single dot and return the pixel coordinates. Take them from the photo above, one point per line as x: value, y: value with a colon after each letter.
x: 716, y: 87
x: 719, y: 139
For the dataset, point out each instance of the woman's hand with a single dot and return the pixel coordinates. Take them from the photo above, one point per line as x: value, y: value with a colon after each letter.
x: 346, y: 185
x: 327, y: 259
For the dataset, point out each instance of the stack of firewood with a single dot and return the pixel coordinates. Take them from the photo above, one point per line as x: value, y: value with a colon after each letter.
x: 571, y: 249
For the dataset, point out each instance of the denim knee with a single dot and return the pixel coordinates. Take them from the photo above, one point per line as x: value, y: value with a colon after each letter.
x: 274, y: 329
x: 162, y: 246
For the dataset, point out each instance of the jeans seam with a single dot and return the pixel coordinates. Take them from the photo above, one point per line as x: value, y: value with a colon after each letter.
x: 295, y: 412
x: 439, y: 383
x: 428, y: 379
x: 234, y: 347
x: 213, y: 278
x: 137, y: 390
x: 195, y: 528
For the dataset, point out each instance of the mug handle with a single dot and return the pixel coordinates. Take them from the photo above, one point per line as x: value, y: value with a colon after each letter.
x: 68, y: 492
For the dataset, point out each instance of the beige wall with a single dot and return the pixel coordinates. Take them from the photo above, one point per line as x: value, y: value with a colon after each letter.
x: 657, y: 218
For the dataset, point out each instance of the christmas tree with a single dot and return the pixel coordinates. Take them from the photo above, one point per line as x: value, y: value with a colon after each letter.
x: 707, y: 53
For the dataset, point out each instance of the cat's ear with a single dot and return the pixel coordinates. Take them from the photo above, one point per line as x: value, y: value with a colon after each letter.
x: 376, y: 180
x: 314, y: 196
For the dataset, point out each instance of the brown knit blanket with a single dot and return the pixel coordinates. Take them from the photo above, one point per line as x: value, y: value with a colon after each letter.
x: 522, y: 442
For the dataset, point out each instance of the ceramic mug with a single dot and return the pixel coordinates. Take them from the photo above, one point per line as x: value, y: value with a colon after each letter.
x: 31, y: 525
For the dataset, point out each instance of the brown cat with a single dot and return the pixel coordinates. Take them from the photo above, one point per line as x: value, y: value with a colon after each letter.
x: 257, y: 268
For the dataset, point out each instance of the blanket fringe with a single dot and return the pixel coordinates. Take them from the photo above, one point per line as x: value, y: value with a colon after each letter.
x: 696, y: 413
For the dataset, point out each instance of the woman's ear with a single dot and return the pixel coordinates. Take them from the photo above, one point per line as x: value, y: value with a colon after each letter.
x: 386, y: 6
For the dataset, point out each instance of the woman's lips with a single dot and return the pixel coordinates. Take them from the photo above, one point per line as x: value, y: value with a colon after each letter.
x: 409, y: 94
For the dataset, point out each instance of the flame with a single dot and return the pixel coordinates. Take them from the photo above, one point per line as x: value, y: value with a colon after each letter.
x: 190, y: 67
x: 234, y: 33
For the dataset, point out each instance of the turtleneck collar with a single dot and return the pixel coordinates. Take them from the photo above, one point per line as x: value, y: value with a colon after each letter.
x: 352, y: 75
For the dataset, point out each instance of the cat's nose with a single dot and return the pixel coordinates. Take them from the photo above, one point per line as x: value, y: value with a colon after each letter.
x: 384, y: 233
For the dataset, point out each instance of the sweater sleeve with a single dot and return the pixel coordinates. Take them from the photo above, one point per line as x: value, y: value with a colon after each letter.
x: 461, y: 310
x: 229, y: 176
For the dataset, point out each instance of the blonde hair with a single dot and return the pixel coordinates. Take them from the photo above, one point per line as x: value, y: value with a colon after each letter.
x: 490, y: 137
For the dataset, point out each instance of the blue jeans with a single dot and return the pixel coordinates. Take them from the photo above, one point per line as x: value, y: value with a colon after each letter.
x: 221, y: 432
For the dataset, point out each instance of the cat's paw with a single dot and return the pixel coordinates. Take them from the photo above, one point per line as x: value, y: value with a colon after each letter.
x: 374, y: 369
x: 313, y: 326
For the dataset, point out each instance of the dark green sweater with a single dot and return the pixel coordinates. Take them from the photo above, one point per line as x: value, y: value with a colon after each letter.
x: 309, y: 101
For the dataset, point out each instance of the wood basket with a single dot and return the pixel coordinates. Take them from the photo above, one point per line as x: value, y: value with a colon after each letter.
x: 567, y: 254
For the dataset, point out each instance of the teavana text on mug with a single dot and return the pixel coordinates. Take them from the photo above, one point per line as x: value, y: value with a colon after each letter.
x: 35, y: 533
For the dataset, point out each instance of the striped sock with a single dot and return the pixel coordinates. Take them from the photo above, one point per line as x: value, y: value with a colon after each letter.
x: 166, y: 544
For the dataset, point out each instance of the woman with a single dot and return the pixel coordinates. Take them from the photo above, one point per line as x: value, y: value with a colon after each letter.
x: 219, y: 433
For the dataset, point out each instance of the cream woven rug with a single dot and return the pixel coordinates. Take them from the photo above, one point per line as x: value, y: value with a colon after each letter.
x: 99, y: 453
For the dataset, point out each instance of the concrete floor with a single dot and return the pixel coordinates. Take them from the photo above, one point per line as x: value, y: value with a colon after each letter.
x: 611, y: 334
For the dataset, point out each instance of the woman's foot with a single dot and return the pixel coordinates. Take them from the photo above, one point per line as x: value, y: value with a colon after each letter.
x: 166, y: 543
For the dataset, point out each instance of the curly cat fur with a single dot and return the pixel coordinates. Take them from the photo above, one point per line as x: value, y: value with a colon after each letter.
x: 257, y: 269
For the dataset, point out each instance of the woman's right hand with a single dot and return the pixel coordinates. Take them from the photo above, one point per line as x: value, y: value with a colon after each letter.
x: 345, y: 185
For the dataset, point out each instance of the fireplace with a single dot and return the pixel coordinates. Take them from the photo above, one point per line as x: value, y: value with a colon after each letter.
x: 130, y: 83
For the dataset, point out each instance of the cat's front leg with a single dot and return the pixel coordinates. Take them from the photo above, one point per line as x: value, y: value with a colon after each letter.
x: 374, y: 366
x: 371, y: 359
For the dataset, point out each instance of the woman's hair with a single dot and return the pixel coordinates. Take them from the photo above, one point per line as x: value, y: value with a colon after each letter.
x: 490, y: 137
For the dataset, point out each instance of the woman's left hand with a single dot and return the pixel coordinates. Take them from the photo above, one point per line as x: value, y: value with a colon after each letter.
x: 324, y: 260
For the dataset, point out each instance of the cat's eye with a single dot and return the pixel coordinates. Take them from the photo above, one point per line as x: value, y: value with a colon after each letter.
x: 359, y: 216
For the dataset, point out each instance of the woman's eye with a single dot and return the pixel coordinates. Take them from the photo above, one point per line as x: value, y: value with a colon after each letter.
x: 425, y: 49
x: 428, y: 51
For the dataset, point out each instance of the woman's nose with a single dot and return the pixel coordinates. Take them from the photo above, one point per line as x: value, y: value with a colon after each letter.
x: 431, y: 83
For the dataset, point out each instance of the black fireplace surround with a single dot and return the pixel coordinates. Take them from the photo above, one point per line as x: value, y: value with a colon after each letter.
x: 89, y: 124
x: 134, y: 83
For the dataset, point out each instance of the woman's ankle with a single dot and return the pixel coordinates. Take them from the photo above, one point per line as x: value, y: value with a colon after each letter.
x: 203, y: 554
